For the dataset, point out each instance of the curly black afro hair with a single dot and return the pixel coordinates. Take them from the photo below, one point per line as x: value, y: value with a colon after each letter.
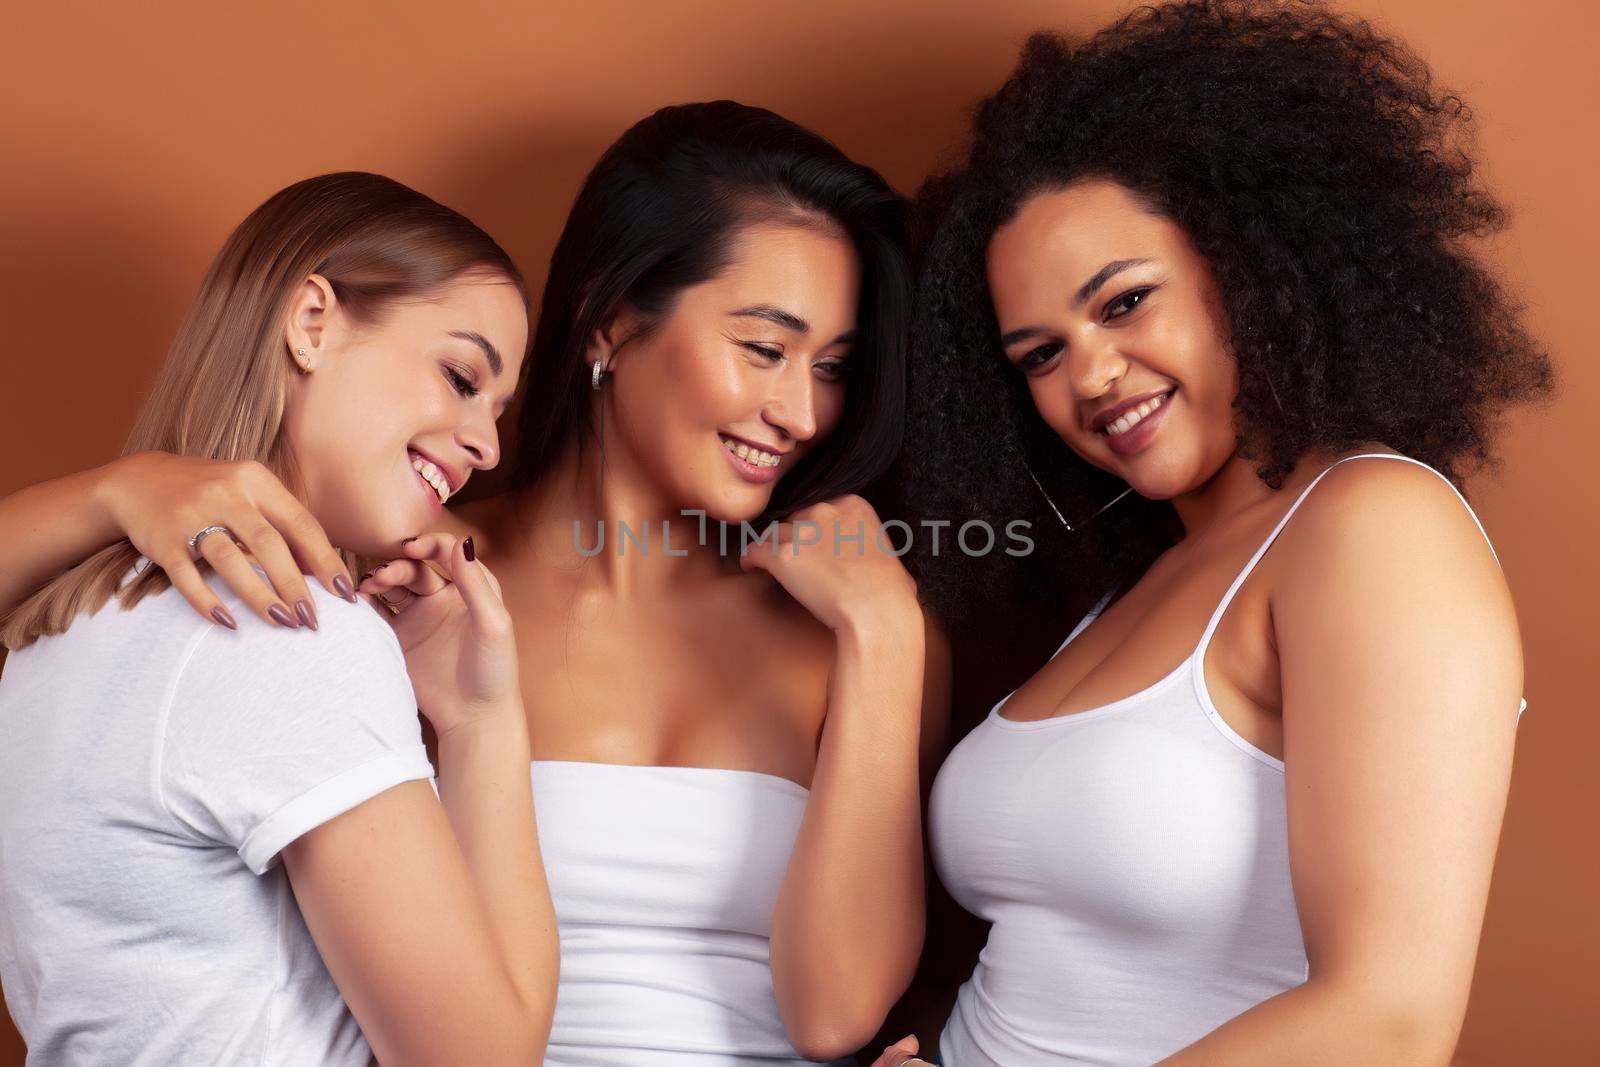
x: 1329, y: 186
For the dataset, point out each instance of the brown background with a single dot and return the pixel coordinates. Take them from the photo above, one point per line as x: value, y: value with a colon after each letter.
x: 131, y: 142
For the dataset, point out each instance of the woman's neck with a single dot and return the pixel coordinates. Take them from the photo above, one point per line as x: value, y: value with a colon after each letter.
x: 1235, y: 488
x: 581, y: 504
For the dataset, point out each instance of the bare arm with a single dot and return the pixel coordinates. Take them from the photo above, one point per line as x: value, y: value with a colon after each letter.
x: 849, y: 920
x: 435, y: 918
x: 395, y: 894
x: 1401, y: 671
x: 49, y: 527
x: 158, y: 501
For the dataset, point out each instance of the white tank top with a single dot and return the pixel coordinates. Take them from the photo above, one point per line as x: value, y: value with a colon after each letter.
x: 1134, y: 862
x: 664, y: 881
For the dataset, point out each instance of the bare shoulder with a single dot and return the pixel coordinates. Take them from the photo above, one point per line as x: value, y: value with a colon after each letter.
x: 1395, y: 525
x: 1369, y: 503
x: 780, y: 614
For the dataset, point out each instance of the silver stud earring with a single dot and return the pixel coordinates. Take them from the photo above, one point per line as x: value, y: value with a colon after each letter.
x: 594, y: 379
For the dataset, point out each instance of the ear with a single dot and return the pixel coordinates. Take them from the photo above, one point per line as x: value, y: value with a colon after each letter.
x: 612, y: 337
x: 305, y: 329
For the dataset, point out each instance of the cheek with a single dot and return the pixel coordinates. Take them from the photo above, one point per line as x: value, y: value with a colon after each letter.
x: 1212, y: 395
x: 360, y: 432
x: 682, y: 380
x: 715, y: 385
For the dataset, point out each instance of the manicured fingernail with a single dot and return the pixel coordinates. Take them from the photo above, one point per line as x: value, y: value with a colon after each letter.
x: 302, y: 608
x: 468, y: 551
x: 342, y: 586
x: 223, y: 617
x: 281, y: 616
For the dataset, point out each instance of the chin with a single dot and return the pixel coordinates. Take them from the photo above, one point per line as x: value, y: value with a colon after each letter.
x: 381, y: 537
x: 731, y: 505
x: 1164, y: 480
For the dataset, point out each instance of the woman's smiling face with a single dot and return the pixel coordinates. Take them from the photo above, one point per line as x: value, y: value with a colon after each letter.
x: 396, y: 414
x: 1113, y: 316
x: 744, y: 376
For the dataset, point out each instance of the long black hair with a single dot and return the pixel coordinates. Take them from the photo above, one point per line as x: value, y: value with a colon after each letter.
x: 660, y: 212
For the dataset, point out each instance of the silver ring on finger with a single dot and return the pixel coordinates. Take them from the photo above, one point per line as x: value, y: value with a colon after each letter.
x: 194, y: 542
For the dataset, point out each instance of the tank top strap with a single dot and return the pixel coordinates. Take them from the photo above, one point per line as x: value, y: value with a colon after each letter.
x: 1227, y: 598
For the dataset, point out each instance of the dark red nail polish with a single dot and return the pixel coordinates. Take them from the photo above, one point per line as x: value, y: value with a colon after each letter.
x: 224, y: 617
x: 280, y: 615
x: 342, y: 586
x: 468, y: 551
x: 302, y: 608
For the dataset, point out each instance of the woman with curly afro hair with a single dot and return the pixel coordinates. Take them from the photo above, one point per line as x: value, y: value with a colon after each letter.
x: 1201, y: 305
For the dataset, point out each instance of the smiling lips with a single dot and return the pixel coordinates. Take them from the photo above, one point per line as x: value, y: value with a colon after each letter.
x: 754, y: 464
x: 1126, y: 418
x: 750, y: 454
x: 430, y: 473
x: 1129, y: 426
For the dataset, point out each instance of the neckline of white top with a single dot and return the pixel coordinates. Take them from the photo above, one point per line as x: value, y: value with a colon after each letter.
x: 1194, y: 662
x: 669, y: 770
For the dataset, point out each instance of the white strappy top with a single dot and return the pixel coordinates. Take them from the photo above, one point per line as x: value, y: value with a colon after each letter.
x: 664, y: 881
x: 1134, y: 862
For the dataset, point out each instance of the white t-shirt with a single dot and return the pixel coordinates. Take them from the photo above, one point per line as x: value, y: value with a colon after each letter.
x: 154, y: 766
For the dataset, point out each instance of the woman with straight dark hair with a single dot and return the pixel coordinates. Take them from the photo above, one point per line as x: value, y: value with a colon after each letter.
x: 1203, y: 303
x: 726, y: 763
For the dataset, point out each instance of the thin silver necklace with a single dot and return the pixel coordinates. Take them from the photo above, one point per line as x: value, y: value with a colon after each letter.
x: 1057, y: 510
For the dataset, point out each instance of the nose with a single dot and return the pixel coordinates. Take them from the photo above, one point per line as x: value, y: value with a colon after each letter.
x: 479, y: 438
x: 1093, y: 366
x: 792, y: 407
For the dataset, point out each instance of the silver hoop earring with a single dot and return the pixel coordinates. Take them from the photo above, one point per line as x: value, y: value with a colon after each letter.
x: 594, y: 379
x: 1069, y: 527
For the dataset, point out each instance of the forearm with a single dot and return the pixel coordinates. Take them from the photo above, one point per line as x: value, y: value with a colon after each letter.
x: 49, y: 527
x: 849, y: 919
x: 1331, y: 1024
x: 487, y: 793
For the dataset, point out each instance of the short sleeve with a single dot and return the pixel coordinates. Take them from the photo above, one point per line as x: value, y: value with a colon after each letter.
x: 272, y: 732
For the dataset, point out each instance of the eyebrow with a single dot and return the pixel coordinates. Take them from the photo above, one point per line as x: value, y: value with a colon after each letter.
x: 490, y: 353
x: 1084, y: 294
x: 1087, y: 290
x: 787, y: 319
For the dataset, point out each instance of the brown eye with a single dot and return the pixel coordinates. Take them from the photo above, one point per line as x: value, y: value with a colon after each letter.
x: 772, y: 354
x: 1038, y: 357
x: 1126, y: 302
x: 460, y: 382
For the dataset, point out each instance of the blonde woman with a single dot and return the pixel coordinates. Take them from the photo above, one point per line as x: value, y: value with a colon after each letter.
x: 219, y: 839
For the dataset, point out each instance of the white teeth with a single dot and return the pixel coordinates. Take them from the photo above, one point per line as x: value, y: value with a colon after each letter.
x: 751, y: 455
x: 1134, y: 417
x: 433, y: 476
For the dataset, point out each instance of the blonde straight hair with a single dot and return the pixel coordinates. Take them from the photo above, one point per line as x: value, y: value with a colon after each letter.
x: 222, y: 390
